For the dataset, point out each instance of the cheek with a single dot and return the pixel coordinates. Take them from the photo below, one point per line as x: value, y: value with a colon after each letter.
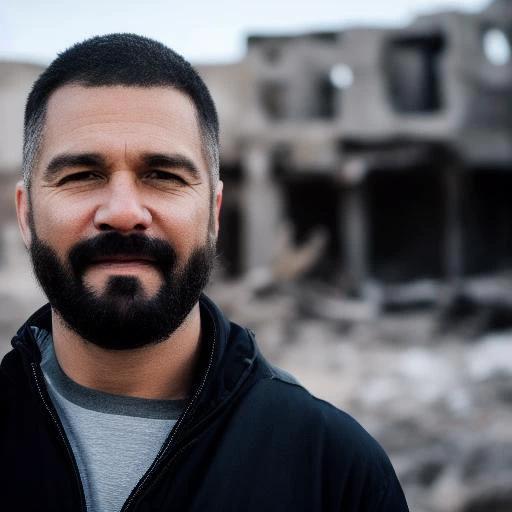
x: 60, y: 226
x: 183, y: 221
x: 186, y: 227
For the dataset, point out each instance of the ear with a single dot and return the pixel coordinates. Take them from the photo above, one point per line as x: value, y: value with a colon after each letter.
x: 22, y: 212
x: 218, y: 205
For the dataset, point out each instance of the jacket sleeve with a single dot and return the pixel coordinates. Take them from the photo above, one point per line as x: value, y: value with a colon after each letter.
x: 393, y: 499
x: 366, y: 478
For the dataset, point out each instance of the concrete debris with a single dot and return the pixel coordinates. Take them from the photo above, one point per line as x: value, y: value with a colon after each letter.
x: 490, y: 357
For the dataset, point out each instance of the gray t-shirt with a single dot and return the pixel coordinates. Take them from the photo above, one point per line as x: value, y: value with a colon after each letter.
x: 114, y: 438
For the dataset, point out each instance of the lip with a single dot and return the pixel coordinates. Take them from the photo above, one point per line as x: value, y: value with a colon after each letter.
x: 120, y: 260
x: 123, y: 264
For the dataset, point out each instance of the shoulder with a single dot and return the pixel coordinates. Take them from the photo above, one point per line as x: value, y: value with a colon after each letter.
x: 291, y: 403
x: 13, y: 387
x: 10, y: 370
x: 350, y: 457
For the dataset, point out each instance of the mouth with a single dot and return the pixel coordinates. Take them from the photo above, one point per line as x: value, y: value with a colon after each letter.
x: 122, y: 259
x: 123, y: 263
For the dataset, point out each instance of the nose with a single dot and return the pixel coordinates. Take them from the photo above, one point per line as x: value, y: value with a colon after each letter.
x: 122, y: 209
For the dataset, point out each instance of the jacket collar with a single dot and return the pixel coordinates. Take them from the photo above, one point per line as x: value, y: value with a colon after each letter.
x: 229, y: 352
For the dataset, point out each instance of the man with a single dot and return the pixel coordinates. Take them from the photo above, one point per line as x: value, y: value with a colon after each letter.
x: 131, y: 391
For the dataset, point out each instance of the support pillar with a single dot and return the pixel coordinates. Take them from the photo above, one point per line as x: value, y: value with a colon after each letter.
x: 354, y: 222
x: 453, y: 249
x: 261, y: 207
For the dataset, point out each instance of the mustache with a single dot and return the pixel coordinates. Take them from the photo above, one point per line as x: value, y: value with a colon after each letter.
x: 113, y: 244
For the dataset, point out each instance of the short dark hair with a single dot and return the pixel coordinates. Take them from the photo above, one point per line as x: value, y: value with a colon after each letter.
x: 119, y: 59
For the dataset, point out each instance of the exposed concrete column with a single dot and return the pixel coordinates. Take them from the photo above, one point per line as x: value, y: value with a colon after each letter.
x: 261, y: 206
x: 453, y: 253
x: 354, y: 221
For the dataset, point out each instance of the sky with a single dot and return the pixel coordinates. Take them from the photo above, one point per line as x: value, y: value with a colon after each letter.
x: 203, y: 31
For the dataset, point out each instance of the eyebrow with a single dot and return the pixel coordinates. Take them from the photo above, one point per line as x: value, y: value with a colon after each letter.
x: 171, y: 161
x: 162, y: 160
x: 66, y: 160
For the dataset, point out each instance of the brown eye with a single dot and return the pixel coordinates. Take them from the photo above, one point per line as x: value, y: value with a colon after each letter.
x: 164, y: 176
x: 79, y: 177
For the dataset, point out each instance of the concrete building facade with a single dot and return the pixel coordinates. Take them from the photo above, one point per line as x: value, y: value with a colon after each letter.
x: 395, y: 142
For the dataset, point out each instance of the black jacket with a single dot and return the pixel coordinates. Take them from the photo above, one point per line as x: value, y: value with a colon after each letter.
x: 250, y: 439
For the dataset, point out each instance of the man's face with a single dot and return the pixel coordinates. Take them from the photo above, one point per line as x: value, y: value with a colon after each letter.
x: 120, y: 224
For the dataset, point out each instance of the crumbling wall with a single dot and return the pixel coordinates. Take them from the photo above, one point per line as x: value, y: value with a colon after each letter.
x: 397, y: 141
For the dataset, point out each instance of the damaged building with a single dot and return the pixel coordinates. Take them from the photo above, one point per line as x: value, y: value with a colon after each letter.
x: 394, y: 144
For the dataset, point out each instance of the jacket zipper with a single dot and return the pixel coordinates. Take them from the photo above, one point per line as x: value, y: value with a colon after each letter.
x: 169, y: 444
x: 36, y: 373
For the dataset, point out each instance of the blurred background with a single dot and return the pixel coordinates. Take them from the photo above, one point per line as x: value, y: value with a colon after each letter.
x: 366, y: 228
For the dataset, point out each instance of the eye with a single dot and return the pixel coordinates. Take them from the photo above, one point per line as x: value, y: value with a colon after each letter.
x: 164, y: 176
x: 81, y: 176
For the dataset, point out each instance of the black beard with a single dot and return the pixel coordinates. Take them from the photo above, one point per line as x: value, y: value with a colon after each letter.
x: 122, y: 316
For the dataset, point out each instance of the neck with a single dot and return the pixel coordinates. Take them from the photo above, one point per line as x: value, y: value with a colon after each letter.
x: 162, y: 371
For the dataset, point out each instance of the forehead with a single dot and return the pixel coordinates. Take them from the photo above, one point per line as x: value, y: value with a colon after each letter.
x: 107, y: 119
